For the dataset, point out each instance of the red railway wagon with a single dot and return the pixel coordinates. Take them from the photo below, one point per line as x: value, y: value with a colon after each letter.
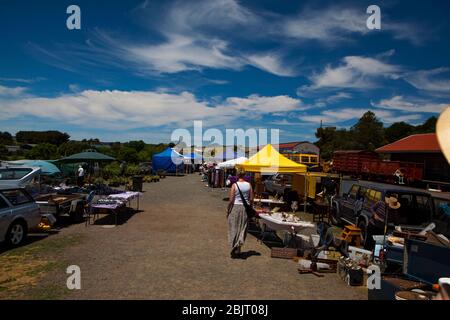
x: 410, y: 171
x: 350, y: 161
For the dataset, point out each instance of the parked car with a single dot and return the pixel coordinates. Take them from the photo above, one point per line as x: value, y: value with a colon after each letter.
x: 354, y: 207
x: 18, y: 177
x: 278, y: 184
x: 18, y: 213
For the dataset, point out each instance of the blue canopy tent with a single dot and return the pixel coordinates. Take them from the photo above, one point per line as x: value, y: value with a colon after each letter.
x: 169, y: 160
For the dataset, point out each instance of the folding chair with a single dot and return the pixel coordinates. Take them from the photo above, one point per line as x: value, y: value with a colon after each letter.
x: 88, y: 208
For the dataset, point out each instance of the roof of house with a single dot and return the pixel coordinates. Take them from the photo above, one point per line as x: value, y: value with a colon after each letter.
x: 426, y: 142
x: 289, y: 145
x: 353, y: 151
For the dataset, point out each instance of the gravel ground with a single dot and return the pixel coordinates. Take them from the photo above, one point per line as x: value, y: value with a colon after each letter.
x: 176, y: 248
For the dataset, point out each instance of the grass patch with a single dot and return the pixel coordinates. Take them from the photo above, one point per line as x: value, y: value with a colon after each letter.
x: 23, y: 268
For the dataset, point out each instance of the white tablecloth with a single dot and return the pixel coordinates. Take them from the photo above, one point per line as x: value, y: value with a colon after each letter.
x: 277, y: 224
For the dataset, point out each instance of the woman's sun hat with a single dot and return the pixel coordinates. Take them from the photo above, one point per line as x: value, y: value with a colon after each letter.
x: 443, y: 132
x: 392, y: 202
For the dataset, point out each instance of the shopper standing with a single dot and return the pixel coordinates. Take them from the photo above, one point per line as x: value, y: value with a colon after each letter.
x: 237, y: 217
x: 80, y: 176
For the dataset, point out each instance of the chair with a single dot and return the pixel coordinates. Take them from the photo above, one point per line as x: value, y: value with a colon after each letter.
x: 88, y: 208
x: 321, y: 212
x: 351, y: 235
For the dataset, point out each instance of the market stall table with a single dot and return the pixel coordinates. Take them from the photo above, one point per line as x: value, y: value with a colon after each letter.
x: 116, y: 201
x: 268, y: 201
x: 276, y: 222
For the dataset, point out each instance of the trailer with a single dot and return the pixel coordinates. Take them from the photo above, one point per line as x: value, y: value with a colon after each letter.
x: 59, y: 205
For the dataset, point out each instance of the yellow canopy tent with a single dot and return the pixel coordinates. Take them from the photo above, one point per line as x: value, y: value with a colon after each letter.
x: 269, y: 160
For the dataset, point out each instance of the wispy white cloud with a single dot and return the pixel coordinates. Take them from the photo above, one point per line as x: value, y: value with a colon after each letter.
x: 410, y: 105
x: 354, y: 72
x: 338, y: 116
x: 257, y: 103
x: 11, y: 92
x: 332, y: 99
x: 336, y: 24
x: 181, y: 53
x: 22, y: 80
x: 328, y: 25
x: 426, y: 80
x: 272, y: 63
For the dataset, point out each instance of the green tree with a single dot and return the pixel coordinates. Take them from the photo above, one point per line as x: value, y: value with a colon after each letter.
x: 332, y: 139
x: 37, y: 137
x: 398, y: 130
x: 128, y: 154
x: 72, y: 147
x: 44, y: 151
x: 429, y: 126
x: 3, y: 152
x: 368, y: 132
x: 136, y: 145
x: 6, y: 138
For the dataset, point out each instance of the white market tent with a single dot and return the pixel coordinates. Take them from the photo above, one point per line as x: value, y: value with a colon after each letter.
x: 231, y: 163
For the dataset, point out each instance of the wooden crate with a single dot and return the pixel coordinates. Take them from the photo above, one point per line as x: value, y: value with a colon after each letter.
x: 283, y: 253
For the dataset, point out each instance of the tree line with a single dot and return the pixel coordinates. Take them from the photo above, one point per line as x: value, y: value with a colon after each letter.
x: 368, y: 133
x: 51, y: 145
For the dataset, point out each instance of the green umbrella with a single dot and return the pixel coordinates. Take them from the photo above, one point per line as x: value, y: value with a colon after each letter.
x: 87, y: 156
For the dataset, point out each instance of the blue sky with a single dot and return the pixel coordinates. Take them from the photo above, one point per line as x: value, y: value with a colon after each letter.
x: 140, y: 69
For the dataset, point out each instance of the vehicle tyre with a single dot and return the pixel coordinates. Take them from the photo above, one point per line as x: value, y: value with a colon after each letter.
x: 363, y: 226
x: 16, y: 234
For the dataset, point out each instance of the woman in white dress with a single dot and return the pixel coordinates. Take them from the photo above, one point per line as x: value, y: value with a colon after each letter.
x: 237, y: 216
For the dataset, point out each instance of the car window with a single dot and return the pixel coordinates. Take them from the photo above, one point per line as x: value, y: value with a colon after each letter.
x: 442, y: 207
x: 3, y: 203
x: 442, y: 216
x: 16, y: 197
x: 373, y: 196
x: 414, y: 209
x: 353, y: 191
x: 14, y: 174
x: 362, y: 192
x: 305, y: 159
x: 422, y: 210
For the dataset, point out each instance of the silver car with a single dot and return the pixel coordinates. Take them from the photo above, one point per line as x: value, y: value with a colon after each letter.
x: 18, y: 214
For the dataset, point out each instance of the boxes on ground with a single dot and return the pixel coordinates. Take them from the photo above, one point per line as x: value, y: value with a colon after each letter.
x: 360, y: 256
x: 283, y: 253
x: 329, y: 255
x: 349, y: 271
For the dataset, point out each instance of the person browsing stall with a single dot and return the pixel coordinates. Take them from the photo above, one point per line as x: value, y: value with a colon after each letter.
x: 382, y: 213
x: 80, y: 175
x: 236, y: 215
